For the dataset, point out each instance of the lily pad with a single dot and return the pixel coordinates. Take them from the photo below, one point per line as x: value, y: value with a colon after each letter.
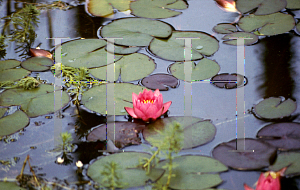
x: 290, y: 159
x: 224, y: 28
x: 157, y: 8
x: 127, y: 162
x: 247, y: 42
x: 121, y: 133
x: 10, y: 186
x: 131, y: 67
x: 194, y: 172
x: 135, y: 31
x: 293, y: 4
x: 105, y: 7
x: 262, y: 156
x: 87, y: 53
x: 2, y: 111
x: 264, y: 7
x: 267, y: 25
x: 229, y: 81
x: 275, y: 108
x: 284, y: 136
x: 13, y: 123
x: 173, y: 49
x: 204, y: 69
x: 202, y: 131
x: 298, y: 27
x: 9, y: 64
x: 95, y: 98
x: 160, y: 81
x: 34, y: 102
x: 124, y: 50
x: 37, y: 64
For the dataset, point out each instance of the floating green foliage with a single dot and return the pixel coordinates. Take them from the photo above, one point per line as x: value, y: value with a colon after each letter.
x: 230, y: 41
x: 112, y: 176
x: 224, y: 28
x: 293, y: 4
x: 264, y: 7
x: 13, y: 123
x: 26, y: 83
x: 105, y: 7
x: 291, y: 160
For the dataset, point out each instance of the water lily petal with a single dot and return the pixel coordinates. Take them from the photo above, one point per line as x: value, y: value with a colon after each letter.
x: 138, y: 113
x: 166, y: 106
x: 130, y: 112
x: 153, y: 112
x: 134, y: 99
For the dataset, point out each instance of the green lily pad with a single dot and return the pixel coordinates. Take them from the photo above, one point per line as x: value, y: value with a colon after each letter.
x: 224, y: 28
x: 298, y: 27
x: 290, y: 159
x: 9, y: 64
x: 157, y: 8
x: 87, y: 53
x: 10, y: 186
x: 2, y: 111
x: 13, y: 74
x: 34, y: 102
x: 135, y: 31
x: 274, y: 108
x: 284, y: 136
x: 13, y: 123
x: 173, y: 49
x: 245, y: 160
x: 121, y: 133
x: 267, y: 25
x: 264, y: 7
x: 95, y: 98
x: 131, y: 67
x: 127, y: 162
x: 124, y: 50
x: 293, y: 4
x: 202, y: 131
x: 194, y: 172
x: 204, y: 69
x: 37, y: 64
x: 247, y: 42
x: 105, y: 7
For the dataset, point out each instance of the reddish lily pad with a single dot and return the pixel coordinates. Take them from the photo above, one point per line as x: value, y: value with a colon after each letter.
x: 291, y: 160
x: 274, y: 108
x: 284, y: 136
x: 202, y: 131
x: 228, y: 81
x: 37, y: 64
x: 228, y: 38
x: 264, y: 7
x: 121, y: 133
x: 262, y: 156
x: 13, y: 123
x: 160, y: 81
x: 224, y: 28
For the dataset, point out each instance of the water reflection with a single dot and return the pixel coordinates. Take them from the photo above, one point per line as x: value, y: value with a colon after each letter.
x: 277, y: 56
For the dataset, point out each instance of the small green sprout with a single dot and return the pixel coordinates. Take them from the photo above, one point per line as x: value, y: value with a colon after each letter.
x: 111, y: 173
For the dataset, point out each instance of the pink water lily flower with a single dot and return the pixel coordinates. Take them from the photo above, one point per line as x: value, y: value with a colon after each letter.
x: 268, y: 181
x: 148, y: 105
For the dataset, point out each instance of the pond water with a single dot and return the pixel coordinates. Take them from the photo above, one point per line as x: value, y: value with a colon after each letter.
x: 271, y: 68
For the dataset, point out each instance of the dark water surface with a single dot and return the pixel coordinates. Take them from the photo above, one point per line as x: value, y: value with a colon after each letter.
x: 272, y: 68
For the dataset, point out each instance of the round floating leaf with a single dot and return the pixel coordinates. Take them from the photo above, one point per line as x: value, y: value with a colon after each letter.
x: 129, y: 173
x: 160, y: 81
x: 224, y: 28
x: 13, y: 123
x: 204, y: 69
x: 247, y: 42
x: 201, y: 131
x: 10, y: 186
x: 157, y: 8
x: 290, y: 160
x: 293, y: 4
x: 267, y: 25
x: 13, y: 74
x: 173, y: 49
x: 284, y: 136
x: 37, y: 64
x: 87, y: 53
x: 124, y: 50
x: 2, y: 111
x: 131, y: 67
x: 135, y: 31
x: 298, y: 27
x: 34, y: 102
x: 229, y: 81
x: 264, y: 7
x: 105, y: 7
x: 121, y: 133
x: 274, y: 108
x: 95, y: 98
x: 245, y: 160
x: 194, y: 172
x: 9, y: 64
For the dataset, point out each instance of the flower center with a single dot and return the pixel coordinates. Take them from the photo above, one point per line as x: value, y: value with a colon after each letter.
x: 147, y: 101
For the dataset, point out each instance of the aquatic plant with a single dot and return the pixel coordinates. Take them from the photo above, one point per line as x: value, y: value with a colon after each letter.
x: 65, y: 145
x: 112, y: 176
x: 26, y: 83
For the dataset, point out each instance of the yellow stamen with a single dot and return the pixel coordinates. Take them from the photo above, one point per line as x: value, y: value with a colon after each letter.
x: 147, y: 101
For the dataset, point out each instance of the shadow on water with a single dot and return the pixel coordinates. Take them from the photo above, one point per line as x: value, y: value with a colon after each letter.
x: 277, y: 56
